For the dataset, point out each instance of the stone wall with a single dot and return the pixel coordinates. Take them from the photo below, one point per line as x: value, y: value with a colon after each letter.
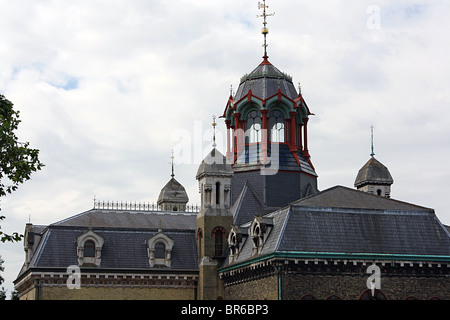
x: 105, y: 293
x: 260, y: 289
x: 350, y: 287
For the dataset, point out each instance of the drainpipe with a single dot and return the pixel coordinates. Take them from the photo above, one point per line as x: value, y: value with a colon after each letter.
x: 37, y: 289
x: 279, y: 283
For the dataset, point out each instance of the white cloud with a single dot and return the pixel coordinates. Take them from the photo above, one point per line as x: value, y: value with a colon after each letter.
x: 104, y: 86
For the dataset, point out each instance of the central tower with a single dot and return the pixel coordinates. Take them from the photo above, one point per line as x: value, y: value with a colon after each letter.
x: 267, y: 136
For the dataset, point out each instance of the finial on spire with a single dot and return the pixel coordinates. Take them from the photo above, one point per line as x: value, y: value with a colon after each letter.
x: 214, y: 131
x: 371, y: 140
x: 264, y: 30
x: 172, y: 157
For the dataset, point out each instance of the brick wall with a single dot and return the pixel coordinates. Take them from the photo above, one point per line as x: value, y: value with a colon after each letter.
x: 105, y: 293
x: 261, y: 289
x: 345, y: 286
x: 350, y: 287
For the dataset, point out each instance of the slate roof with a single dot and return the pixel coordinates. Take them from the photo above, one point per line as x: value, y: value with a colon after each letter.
x: 214, y: 163
x: 247, y: 205
x: 343, y: 220
x: 373, y: 172
x: 252, y: 157
x: 104, y: 218
x: 312, y: 229
x: 173, y: 191
x: 343, y: 197
x: 125, y: 234
x: 263, y: 81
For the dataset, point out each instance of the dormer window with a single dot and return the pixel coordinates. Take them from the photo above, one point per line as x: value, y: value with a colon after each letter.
x: 259, y: 230
x: 235, y: 242
x: 89, y: 249
x: 159, y: 249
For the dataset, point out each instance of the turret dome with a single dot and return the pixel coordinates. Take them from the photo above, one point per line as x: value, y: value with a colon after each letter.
x: 264, y: 82
x: 173, y: 196
x: 374, y: 178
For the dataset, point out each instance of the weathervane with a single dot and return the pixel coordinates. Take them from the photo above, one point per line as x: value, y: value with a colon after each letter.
x: 264, y: 30
x: 214, y: 131
x: 371, y: 139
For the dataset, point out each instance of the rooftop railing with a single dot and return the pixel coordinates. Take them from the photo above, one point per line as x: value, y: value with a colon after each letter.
x: 143, y: 206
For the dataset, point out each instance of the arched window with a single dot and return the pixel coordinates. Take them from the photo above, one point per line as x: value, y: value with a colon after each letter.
x: 160, y: 250
x: 219, y: 236
x: 308, y: 297
x: 217, y: 192
x: 377, y: 295
x: 256, y: 236
x: 218, y: 244
x: 89, y: 249
x: 276, y: 126
x: 253, y: 127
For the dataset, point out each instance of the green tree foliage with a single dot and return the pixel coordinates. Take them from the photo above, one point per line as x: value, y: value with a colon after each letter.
x: 2, y: 290
x: 17, y: 160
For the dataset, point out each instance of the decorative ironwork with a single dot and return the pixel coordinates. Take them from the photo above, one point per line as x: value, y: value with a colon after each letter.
x: 264, y: 30
x: 137, y: 206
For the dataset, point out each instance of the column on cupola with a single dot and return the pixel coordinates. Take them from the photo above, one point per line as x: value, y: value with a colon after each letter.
x: 292, y: 145
x: 229, y: 131
x: 264, y: 113
x: 300, y: 136
x: 238, y: 134
x: 305, y: 137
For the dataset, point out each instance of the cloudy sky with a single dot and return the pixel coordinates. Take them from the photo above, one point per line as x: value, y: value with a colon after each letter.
x: 106, y: 89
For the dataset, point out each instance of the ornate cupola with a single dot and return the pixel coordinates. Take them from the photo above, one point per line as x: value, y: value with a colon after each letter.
x: 173, y: 196
x: 267, y: 135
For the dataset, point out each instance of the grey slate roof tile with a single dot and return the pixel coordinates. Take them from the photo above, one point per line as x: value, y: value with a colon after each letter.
x: 364, y: 231
x: 125, y: 234
x: 343, y: 220
x: 122, y: 248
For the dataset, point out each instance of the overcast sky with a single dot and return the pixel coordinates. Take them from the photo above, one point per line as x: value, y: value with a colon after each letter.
x: 106, y: 89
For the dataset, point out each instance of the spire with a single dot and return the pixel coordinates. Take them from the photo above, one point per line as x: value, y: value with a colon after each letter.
x: 264, y: 30
x: 371, y: 140
x: 172, y: 157
x: 214, y: 132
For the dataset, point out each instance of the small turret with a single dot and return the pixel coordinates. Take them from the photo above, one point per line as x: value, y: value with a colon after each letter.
x: 374, y: 177
x: 173, y: 196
